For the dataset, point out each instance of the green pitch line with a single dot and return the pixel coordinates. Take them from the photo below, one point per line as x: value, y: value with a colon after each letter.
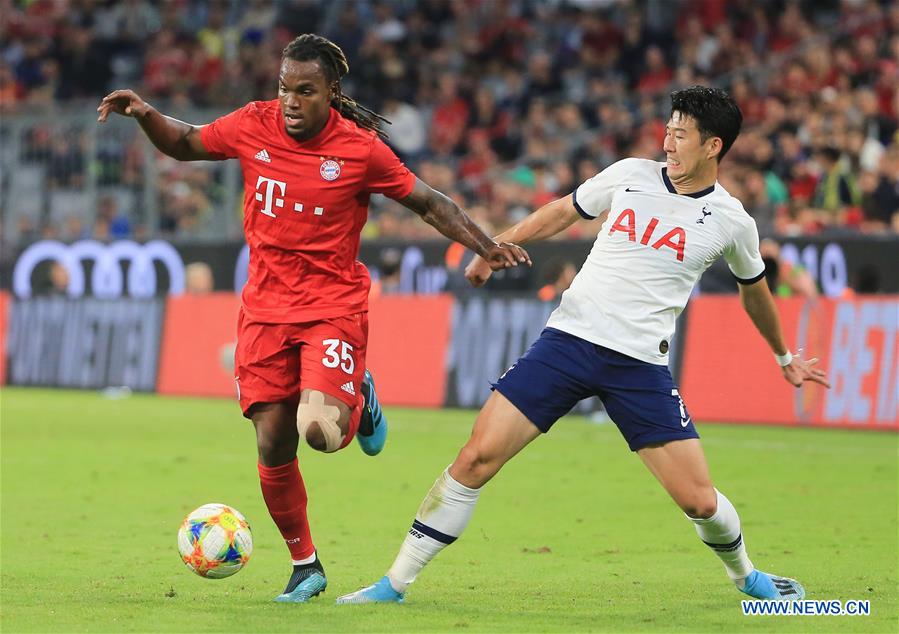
x: 573, y: 536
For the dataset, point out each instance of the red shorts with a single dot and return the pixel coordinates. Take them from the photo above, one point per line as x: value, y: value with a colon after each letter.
x: 275, y: 362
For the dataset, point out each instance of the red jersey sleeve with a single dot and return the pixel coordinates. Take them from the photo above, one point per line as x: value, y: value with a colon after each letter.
x: 220, y: 137
x: 386, y: 173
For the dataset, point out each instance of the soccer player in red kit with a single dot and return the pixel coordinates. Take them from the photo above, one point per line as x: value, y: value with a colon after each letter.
x: 310, y: 161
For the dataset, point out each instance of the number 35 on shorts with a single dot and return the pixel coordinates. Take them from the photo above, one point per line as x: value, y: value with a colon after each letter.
x: 338, y: 354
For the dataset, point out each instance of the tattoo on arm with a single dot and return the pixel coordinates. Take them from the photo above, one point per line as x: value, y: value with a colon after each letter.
x: 439, y: 211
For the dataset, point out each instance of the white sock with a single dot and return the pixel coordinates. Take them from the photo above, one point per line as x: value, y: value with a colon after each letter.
x: 307, y: 560
x: 721, y: 532
x: 443, y: 515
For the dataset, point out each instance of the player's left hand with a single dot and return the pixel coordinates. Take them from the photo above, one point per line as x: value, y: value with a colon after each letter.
x: 505, y: 255
x: 798, y: 371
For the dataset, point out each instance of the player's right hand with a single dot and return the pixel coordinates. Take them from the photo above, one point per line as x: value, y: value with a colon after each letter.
x: 505, y: 255
x: 124, y: 102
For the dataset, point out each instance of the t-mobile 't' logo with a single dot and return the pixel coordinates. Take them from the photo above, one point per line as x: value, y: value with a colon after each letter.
x: 270, y: 184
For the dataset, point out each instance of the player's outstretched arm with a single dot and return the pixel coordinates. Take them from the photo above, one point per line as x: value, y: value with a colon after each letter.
x: 759, y: 305
x: 177, y: 139
x: 546, y: 222
x: 449, y: 219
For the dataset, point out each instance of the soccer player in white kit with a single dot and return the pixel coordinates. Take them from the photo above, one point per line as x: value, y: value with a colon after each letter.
x: 663, y: 224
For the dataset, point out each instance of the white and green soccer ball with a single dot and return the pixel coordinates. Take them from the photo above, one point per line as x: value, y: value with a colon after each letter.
x: 215, y: 541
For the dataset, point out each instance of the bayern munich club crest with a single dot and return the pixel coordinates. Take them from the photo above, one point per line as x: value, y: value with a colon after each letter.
x: 330, y: 168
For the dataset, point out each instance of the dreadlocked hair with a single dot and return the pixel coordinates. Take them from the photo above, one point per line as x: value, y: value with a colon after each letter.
x: 308, y: 47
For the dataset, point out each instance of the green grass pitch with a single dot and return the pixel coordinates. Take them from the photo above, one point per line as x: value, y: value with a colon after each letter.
x: 574, y: 535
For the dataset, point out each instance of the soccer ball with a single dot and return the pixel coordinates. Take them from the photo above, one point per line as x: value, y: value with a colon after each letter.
x: 215, y: 541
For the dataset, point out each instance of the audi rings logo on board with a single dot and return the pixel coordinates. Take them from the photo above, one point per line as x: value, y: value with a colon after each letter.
x: 108, y: 276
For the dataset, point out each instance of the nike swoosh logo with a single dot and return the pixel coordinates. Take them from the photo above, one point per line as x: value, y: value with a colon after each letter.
x: 628, y: 189
x: 684, y: 423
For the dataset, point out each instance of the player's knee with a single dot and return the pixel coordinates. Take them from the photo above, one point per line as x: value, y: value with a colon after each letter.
x: 321, y: 434
x: 701, y: 502
x: 315, y: 438
x: 276, y: 437
x: 273, y: 451
x: 321, y: 425
x: 473, y: 467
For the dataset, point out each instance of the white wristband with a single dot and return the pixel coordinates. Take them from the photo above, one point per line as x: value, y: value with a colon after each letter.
x: 783, y: 360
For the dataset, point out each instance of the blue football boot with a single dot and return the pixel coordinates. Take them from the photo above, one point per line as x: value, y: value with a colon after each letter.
x: 381, y: 592
x: 372, y: 433
x: 306, y: 582
x: 761, y: 585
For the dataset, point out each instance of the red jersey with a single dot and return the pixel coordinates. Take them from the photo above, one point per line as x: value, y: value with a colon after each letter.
x: 305, y: 203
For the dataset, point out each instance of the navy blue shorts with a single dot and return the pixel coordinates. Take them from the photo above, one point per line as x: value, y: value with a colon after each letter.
x: 559, y: 370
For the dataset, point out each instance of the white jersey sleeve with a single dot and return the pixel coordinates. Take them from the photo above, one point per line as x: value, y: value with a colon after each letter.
x: 594, y: 196
x: 742, y: 254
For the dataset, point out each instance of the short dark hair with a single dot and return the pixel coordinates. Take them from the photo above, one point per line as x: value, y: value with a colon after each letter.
x: 715, y: 112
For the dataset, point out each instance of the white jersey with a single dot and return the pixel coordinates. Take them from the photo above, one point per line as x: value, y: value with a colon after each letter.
x: 650, y: 252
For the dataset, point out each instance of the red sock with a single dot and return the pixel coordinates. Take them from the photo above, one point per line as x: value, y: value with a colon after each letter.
x: 285, y: 497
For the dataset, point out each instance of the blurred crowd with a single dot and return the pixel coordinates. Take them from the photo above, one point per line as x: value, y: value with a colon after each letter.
x: 502, y: 104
